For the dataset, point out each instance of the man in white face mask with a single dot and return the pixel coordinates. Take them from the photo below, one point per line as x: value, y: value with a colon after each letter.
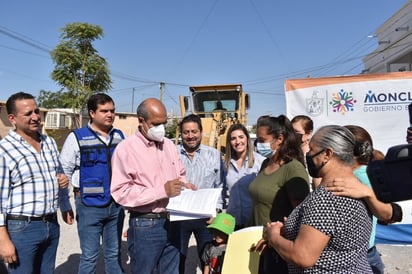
x: 155, y: 133
x: 151, y: 125
x: 147, y: 171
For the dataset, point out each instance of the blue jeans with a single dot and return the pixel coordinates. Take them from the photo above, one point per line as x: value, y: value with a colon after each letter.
x: 181, y: 232
x: 375, y: 261
x: 150, y: 249
x: 36, y: 245
x: 94, y: 223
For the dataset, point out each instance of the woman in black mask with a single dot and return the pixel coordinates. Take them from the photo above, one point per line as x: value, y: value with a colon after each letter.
x: 325, y: 233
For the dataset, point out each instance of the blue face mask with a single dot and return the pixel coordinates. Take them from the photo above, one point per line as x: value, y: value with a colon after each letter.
x: 265, y: 150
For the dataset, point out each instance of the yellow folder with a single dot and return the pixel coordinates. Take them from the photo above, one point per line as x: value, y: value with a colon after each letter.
x: 238, y: 259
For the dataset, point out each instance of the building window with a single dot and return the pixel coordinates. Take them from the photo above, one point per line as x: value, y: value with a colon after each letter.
x: 62, y: 121
x: 68, y: 121
x: 51, y: 120
x: 55, y: 120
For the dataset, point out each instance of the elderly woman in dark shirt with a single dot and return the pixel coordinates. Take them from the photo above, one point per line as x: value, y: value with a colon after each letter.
x: 325, y: 233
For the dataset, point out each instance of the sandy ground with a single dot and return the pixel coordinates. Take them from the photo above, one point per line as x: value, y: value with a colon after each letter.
x: 397, y: 258
x: 68, y: 252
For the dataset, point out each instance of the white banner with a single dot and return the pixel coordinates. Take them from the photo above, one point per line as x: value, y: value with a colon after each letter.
x: 376, y: 102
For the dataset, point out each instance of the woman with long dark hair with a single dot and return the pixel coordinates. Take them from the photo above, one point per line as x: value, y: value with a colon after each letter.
x: 282, y: 182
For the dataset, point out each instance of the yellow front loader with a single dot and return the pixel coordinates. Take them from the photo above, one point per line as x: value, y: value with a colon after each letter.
x: 219, y: 106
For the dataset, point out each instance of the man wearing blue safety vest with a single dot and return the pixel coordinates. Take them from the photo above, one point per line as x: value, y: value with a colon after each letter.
x: 86, y: 160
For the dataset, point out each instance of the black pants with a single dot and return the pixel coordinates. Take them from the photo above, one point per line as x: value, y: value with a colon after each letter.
x: 270, y: 262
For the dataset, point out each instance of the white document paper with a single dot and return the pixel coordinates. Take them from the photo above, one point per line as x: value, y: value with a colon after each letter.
x: 194, y: 204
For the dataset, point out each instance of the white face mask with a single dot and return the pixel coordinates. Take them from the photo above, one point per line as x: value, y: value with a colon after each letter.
x: 156, y: 133
x: 265, y: 150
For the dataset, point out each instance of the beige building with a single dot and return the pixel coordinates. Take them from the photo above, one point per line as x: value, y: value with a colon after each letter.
x: 394, y: 38
x: 58, y: 123
x: 5, y: 125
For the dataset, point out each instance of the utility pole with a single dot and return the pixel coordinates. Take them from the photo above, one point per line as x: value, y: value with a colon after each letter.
x: 162, y: 91
x: 133, y: 100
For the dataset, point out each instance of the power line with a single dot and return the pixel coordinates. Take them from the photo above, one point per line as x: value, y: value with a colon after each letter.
x: 266, y: 28
x: 198, y: 32
x: 24, y: 51
x: 128, y: 77
x: 24, y: 39
x: 344, y: 57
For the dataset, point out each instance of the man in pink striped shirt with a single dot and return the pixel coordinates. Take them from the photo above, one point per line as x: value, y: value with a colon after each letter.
x: 146, y: 172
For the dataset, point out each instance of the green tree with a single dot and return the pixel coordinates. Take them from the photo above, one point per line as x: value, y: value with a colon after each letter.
x: 50, y: 99
x: 253, y: 129
x: 171, y: 127
x: 78, y: 66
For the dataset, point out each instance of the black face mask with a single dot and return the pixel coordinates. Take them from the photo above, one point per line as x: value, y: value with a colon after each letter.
x: 312, y: 168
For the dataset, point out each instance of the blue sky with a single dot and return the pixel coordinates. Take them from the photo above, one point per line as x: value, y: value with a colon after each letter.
x: 257, y: 43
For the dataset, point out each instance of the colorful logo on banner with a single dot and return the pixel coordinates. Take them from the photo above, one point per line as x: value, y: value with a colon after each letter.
x: 342, y: 102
